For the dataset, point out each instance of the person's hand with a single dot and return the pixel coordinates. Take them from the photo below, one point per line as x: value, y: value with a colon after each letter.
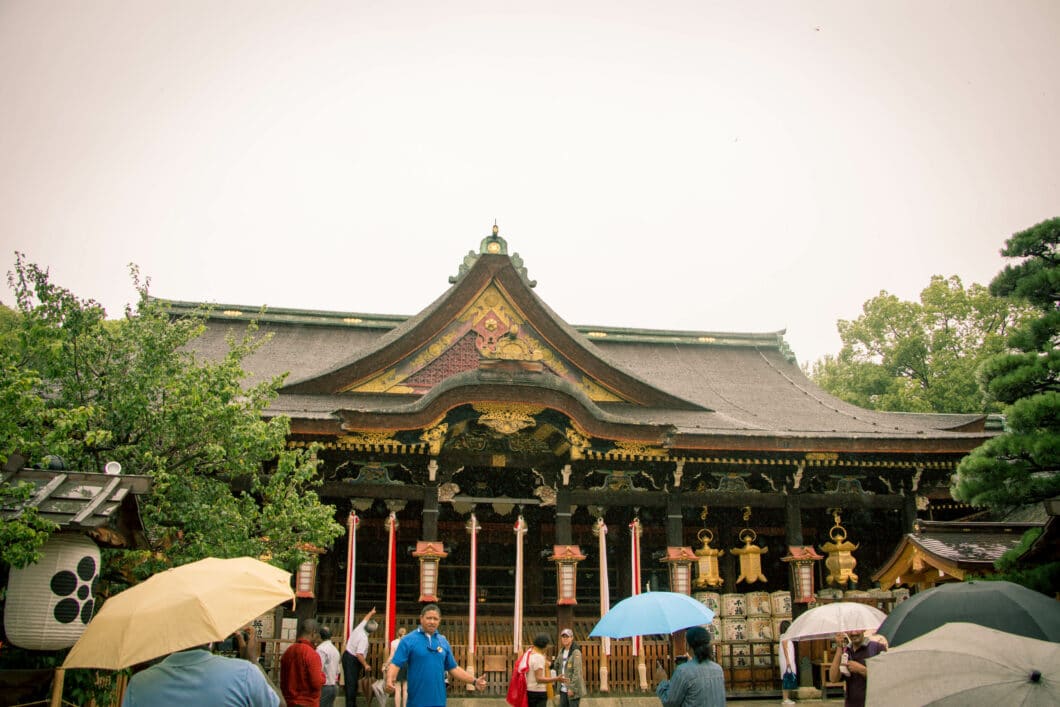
x: 389, y: 687
x: 841, y: 640
x: 480, y: 682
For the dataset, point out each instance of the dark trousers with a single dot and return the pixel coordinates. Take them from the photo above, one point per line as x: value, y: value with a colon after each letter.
x: 328, y: 693
x: 536, y: 699
x: 351, y: 672
x: 564, y: 701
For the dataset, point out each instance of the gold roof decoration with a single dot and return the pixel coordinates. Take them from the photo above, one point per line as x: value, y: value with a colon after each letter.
x: 508, y: 418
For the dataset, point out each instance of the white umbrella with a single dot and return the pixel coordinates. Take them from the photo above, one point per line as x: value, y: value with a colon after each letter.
x: 963, y: 664
x: 827, y: 620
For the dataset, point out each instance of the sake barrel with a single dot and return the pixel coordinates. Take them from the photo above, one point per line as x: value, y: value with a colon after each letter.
x: 781, y: 602
x: 733, y: 605
x: 50, y: 602
x: 758, y: 604
x: 734, y: 629
x: 760, y: 628
x: 762, y: 654
x: 741, y: 655
x: 712, y: 600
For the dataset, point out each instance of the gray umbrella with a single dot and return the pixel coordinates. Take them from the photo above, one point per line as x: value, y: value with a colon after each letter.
x: 966, y: 665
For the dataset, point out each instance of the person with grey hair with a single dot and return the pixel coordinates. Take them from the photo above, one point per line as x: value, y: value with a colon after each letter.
x: 355, y: 657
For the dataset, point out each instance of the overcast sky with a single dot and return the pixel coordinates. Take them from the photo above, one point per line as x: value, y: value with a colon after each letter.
x: 714, y: 166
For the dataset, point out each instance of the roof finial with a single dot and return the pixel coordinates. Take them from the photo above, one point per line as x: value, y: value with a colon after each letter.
x: 493, y: 244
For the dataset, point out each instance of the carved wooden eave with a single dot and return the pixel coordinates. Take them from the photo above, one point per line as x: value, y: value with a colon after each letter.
x: 946, y: 551
x: 493, y: 307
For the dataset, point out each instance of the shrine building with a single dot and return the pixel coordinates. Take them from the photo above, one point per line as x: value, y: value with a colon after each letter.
x: 491, y: 457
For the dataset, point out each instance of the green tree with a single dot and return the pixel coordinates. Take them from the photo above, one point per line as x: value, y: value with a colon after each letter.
x: 1022, y: 465
x: 920, y: 356
x: 93, y: 390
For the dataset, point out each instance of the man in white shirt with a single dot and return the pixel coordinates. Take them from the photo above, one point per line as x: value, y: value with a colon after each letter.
x: 329, y: 657
x: 355, y: 657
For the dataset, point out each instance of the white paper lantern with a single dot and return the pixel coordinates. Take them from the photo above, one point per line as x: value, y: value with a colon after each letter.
x: 50, y: 602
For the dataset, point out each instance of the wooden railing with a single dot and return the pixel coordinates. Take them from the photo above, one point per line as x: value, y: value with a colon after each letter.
x: 495, y: 655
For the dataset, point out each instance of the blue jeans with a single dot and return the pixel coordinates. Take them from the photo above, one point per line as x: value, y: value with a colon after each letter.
x: 328, y: 693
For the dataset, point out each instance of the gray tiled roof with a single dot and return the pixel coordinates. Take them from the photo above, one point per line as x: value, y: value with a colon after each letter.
x: 743, y: 382
x: 76, y: 500
x: 967, y: 543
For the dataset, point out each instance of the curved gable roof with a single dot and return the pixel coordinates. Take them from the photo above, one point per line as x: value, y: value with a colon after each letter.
x: 494, y: 302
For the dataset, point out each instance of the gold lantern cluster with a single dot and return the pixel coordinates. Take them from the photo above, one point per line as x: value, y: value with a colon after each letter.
x: 840, y: 562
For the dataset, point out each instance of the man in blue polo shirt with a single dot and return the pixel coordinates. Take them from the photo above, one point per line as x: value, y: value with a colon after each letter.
x: 427, y: 657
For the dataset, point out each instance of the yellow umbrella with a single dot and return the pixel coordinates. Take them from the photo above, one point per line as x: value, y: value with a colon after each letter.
x: 183, y: 607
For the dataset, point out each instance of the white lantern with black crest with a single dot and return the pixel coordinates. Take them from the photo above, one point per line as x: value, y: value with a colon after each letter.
x: 50, y: 602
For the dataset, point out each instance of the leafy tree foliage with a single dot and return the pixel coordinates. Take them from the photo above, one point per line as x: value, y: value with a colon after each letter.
x: 1023, y: 464
x: 93, y: 390
x: 920, y: 356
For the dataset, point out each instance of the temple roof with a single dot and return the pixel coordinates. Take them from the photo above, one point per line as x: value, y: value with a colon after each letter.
x: 490, y: 338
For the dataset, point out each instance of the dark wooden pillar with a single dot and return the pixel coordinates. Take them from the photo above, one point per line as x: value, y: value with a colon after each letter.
x: 908, y: 512
x: 793, y: 520
x: 674, y: 520
x: 563, y: 516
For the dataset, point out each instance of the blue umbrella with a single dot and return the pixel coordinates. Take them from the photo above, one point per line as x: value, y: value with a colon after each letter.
x: 652, y: 613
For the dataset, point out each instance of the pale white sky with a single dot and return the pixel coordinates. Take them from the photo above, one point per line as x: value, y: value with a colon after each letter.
x: 732, y: 166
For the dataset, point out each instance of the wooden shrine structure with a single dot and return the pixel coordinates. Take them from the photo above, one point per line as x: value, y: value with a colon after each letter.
x: 488, y: 403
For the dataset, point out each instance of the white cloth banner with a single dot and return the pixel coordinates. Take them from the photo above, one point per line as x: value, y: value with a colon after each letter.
x: 351, y: 574
x: 605, y: 586
x: 517, y: 617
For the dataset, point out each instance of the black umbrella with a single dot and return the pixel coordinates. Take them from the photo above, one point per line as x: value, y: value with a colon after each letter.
x: 999, y: 605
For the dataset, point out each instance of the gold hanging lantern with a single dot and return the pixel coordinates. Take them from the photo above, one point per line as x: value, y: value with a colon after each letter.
x: 750, y: 554
x: 709, y: 572
x: 840, y: 562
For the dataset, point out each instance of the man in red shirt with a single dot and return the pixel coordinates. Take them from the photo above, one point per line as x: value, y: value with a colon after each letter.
x: 301, y: 672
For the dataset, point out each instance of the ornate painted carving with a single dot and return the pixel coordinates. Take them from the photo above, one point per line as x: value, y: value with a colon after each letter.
x: 447, y: 492
x: 616, y: 481
x: 435, y: 437
x: 547, y: 494
x: 369, y: 439
x: 373, y: 473
x: 579, y: 443
x: 734, y: 483
x: 637, y: 449
x: 528, y: 444
x: 507, y: 419
x: 849, y: 484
